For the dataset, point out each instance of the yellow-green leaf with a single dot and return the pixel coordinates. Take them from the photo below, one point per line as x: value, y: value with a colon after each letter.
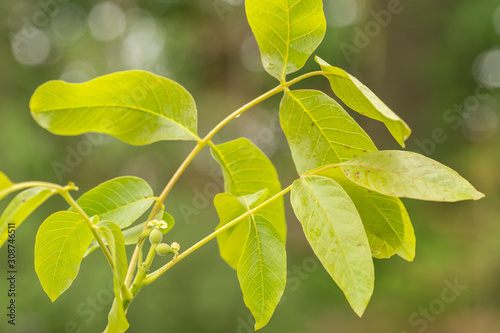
x: 121, y: 200
x: 248, y: 170
x: 21, y: 207
x: 136, y: 107
x: 117, y: 320
x: 262, y: 269
x: 409, y: 175
x: 287, y: 31
x: 319, y: 131
x: 333, y: 227
x: 256, y: 249
x: 5, y: 183
x: 361, y: 99
x: 61, y: 242
x: 232, y: 241
x: 386, y: 221
x: 116, y: 244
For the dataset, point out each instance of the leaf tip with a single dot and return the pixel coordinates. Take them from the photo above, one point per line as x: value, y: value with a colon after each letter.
x: 260, y: 323
x: 320, y: 61
x: 478, y: 195
x: 401, y: 141
x: 404, y: 135
x: 359, y: 309
x: 52, y: 296
x: 409, y: 257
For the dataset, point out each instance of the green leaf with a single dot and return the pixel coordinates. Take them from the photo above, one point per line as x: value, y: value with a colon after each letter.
x: 21, y: 207
x: 386, y: 221
x: 121, y: 200
x: 247, y: 170
x: 256, y: 249
x: 262, y: 269
x: 287, y: 31
x: 409, y: 175
x: 5, y: 183
x: 136, y: 107
x: 132, y: 234
x: 319, y: 131
x: 361, y: 99
x: 116, y: 244
x: 117, y: 320
x: 232, y: 241
x: 334, y: 229
x: 61, y: 242
x: 253, y: 200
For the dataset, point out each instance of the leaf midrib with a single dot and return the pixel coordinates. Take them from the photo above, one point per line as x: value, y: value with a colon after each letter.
x: 335, y: 232
x: 136, y: 108
x: 261, y: 271
x: 399, y: 175
x: 289, y: 93
x: 130, y: 203
x: 285, y: 60
x: 75, y: 227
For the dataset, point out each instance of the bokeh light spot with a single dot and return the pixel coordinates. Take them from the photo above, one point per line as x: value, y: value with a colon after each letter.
x: 496, y: 20
x: 341, y: 13
x: 487, y: 68
x: 250, y: 55
x: 31, y: 50
x: 106, y: 21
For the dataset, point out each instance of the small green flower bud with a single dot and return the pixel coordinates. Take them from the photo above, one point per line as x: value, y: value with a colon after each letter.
x: 155, y: 223
x: 156, y: 236
x: 175, y: 247
x: 163, y: 249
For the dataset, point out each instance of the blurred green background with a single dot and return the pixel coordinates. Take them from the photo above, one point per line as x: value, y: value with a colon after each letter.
x: 436, y: 63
